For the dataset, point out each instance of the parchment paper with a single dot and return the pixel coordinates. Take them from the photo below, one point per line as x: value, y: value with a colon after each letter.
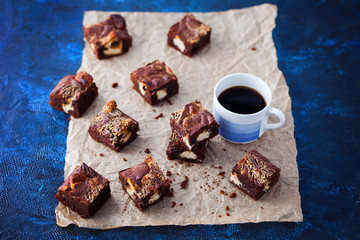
x: 235, y: 36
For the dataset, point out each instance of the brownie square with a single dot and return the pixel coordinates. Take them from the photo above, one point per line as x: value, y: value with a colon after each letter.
x: 84, y: 191
x: 177, y: 150
x: 113, y: 128
x: 194, y: 124
x: 144, y: 183
x: 254, y: 174
x: 74, y: 94
x: 109, y: 38
x: 189, y: 35
x: 155, y: 82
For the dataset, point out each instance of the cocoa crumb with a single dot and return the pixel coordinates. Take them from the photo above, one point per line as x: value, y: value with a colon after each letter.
x: 262, y: 207
x: 227, y: 208
x: 232, y: 195
x: 185, y: 182
x: 114, y: 85
x: 180, y: 162
x: 224, y: 149
x: 171, y: 189
x: 177, y: 174
x: 188, y: 164
x: 222, y: 192
x: 220, y: 216
x: 173, y: 204
x: 221, y: 173
x: 169, y: 102
x: 254, y: 49
x: 68, y: 118
x: 159, y: 116
x: 175, y: 210
x: 124, y: 159
x: 200, y: 187
x: 101, y: 154
x: 212, y: 213
x: 181, y: 204
x: 153, y: 110
x: 227, y: 214
x: 168, y: 173
x: 147, y: 151
x: 175, y: 164
x: 171, y: 193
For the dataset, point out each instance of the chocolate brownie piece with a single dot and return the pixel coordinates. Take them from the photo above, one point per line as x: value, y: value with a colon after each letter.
x: 74, y: 94
x: 84, y: 191
x: 194, y: 124
x: 145, y: 183
x: 177, y: 150
x: 189, y: 35
x: 113, y: 128
x: 108, y: 38
x: 155, y: 82
x: 254, y: 174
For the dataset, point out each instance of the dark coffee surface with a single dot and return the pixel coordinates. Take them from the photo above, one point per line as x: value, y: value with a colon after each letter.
x: 243, y: 100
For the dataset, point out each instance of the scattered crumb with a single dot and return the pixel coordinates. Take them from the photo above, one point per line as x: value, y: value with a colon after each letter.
x: 171, y: 189
x: 175, y: 210
x: 222, y: 192
x: 139, y: 151
x: 180, y: 162
x: 177, y: 174
x: 147, y: 151
x: 227, y: 214
x: 212, y: 213
x: 224, y: 149
x: 227, y: 208
x: 181, y: 204
x: 254, y: 49
x: 68, y: 118
x: 159, y: 116
x: 200, y: 187
x: 220, y: 215
x: 124, y: 159
x: 173, y: 204
x: 101, y: 154
x: 114, y: 85
x: 168, y: 100
x: 185, y: 182
x: 232, y: 195
x: 171, y: 193
x: 153, y: 110
x: 221, y: 173
x: 188, y: 164
x: 175, y: 164
x: 262, y: 207
x: 168, y: 173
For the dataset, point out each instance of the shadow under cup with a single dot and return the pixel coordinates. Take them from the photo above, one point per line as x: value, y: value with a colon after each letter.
x: 244, y: 128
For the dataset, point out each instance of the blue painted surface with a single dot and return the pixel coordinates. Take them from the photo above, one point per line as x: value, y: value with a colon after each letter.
x: 318, y: 46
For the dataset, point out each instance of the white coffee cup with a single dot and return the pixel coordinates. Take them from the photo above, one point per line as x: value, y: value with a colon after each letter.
x: 244, y: 128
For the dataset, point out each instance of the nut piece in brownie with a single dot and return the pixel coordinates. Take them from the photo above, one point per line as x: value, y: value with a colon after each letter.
x: 254, y: 174
x: 74, y: 94
x: 177, y: 150
x: 113, y: 128
x: 155, y: 82
x: 145, y: 183
x: 189, y: 35
x: 194, y: 124
x: 108, y: 38
x: 84, y: 191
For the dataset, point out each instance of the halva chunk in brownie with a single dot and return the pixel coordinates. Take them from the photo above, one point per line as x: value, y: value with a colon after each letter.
x: 113, y: 128
x: 84, y: 191
x: 254, y: 174
x: 74, y: 94
x: 145, y: 183
x: 109, y: 38
x: 155, y: 82
x: 189, y: 35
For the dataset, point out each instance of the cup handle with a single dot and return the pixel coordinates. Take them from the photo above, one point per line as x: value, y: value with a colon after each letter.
x: 280, y: 115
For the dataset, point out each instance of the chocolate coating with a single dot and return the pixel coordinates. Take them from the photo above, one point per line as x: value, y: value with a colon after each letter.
x: 256, y: 174
x: 84, y: 191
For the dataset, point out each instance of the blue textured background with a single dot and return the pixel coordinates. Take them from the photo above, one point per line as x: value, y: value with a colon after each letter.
x: 318, y: 48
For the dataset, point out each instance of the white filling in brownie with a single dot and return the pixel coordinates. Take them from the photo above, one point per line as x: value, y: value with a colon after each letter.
x: 180, y: 44
x: 188, y: 154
